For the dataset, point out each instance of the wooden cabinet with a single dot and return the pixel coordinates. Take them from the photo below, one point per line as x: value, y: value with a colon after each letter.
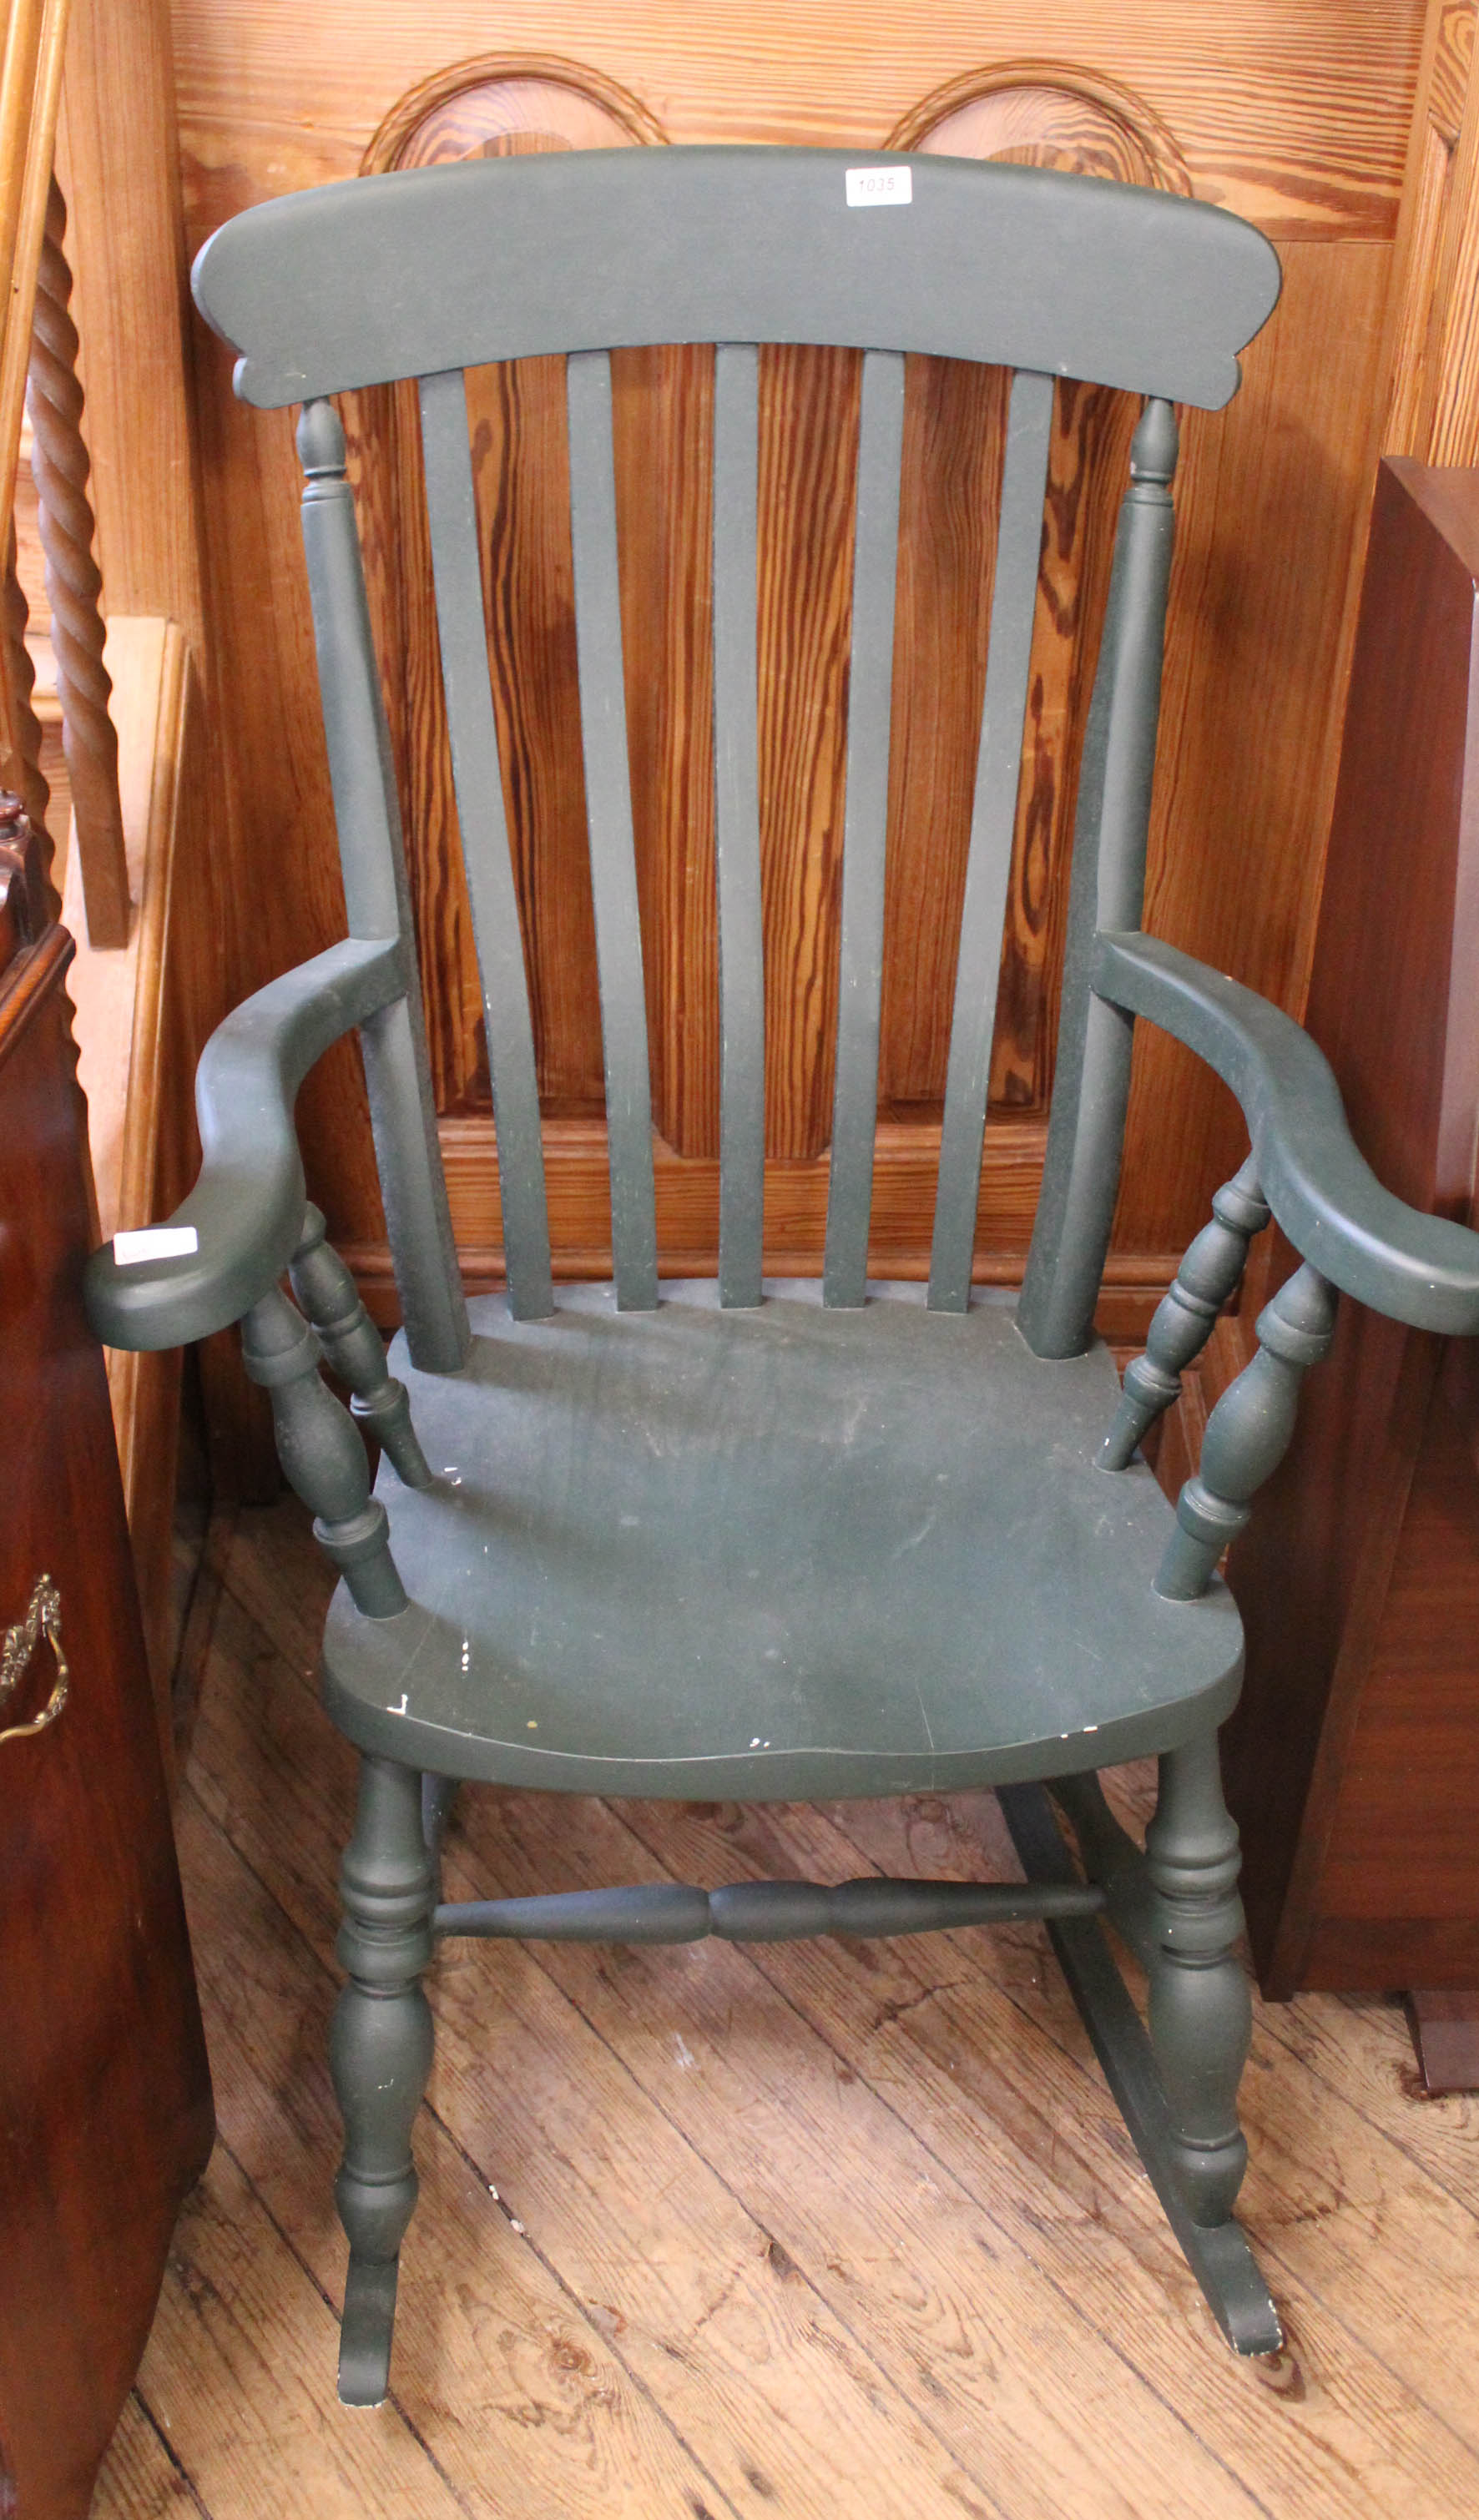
x: 105, y: 2098
x: 1354, y: 1760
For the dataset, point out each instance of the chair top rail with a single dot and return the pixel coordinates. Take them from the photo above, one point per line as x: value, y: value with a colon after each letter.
x: 409, y: 274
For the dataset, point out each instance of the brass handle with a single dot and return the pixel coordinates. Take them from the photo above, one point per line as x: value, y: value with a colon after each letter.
x: 43, y: 1618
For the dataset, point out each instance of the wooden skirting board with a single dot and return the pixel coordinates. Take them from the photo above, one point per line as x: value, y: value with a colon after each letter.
x: 137, y: 1041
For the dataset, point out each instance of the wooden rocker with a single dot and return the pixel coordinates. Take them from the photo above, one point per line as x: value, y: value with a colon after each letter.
x: 744, y: 1539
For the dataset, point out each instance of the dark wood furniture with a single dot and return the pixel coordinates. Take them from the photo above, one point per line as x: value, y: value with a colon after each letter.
x: 105, y: 2097
x: 1352, y: 1762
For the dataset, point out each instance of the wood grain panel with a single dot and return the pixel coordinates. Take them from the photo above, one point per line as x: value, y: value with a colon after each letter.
x: 1089, y: 462
x: 1426, y: 226
x: 1036, y: 112
x: 954, y: 427
x: 1271, y: 517
x: 1433, y: 412
x: 663, y: 420
x: 1409, y: 1765
x: 288, y: 888
x: 520, y: 473
x: 1300, y: 114
x: 808, y: 402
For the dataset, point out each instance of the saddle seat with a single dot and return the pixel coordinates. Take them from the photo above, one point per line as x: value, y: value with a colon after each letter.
x: 772, y: 1553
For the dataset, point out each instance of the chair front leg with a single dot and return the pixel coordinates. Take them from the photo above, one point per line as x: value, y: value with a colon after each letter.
x: 438, y: 1796
x: 1201, y: 2011
x: 380, y: 2052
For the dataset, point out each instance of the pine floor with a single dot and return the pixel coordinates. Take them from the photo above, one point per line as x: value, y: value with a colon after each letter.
x: 812, y: 2230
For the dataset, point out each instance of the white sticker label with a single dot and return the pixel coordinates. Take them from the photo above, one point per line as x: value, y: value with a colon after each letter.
x: 877, y: 188
x: 155, y: 1242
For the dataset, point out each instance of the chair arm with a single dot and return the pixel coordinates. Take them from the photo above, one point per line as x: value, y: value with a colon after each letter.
x: 1417, y: 1269
x: 246, y: 1207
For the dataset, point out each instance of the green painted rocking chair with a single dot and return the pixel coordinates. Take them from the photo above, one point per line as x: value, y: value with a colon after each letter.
x: 742, y: 1538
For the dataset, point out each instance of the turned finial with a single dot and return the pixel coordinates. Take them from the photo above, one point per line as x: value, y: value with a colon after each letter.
x: 1153, y: 450
x: 320, y: 440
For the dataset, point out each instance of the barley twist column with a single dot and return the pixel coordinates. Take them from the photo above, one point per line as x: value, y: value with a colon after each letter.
x: 75, y: 588
x: 21, y: 674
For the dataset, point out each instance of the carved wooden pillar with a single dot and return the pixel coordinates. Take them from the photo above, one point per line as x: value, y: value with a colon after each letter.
x: 75, y: 588
x: 21, y: 674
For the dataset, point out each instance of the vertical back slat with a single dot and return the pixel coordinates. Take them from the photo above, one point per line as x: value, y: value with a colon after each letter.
x: 608, y: 808
x: 377, y: 898
x: 875, y: 567
x: 452, y: 516
x: 736, y: 795
x: 993, y: 814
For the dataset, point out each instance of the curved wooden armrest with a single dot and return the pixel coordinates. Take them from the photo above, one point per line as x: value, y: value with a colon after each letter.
x: 1417, y: 1269
x: 247, y: 1208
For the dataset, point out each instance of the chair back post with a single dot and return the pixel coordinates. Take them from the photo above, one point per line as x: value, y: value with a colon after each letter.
x: 1085, y: 1137
x: 377, y: 899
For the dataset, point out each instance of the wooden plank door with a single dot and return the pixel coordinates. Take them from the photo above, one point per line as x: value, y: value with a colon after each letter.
x: 105, y: 2097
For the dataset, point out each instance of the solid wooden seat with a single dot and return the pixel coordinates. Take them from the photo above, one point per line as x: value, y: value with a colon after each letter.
x: 772, y: 1553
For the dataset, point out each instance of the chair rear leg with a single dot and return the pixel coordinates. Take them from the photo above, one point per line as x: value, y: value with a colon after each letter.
x: 1216, y: 2252
x: 1201, y: 2011
x: 380, y: 2051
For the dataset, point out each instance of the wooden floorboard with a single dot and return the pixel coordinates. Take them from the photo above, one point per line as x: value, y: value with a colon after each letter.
x: 808, y: 2229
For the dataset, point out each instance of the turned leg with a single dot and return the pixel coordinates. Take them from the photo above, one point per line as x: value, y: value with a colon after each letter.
x: 352, y: 1347
x: 1201, y: 2012
x: 321, y: 1453
x: 437, y: 1795
x: 379, y: 2050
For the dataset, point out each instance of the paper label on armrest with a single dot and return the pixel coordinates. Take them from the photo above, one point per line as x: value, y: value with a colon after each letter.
x: 877, y: 188
x: 155, y: 1242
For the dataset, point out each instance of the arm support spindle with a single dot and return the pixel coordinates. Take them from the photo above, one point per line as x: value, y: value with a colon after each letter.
x: 352, y: 1348
x: 1183, y: 1317
x: 1248, y: 1432
x: 321, y: 1453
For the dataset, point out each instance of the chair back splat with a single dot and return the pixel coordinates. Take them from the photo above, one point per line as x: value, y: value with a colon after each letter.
x: 426, y: 274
